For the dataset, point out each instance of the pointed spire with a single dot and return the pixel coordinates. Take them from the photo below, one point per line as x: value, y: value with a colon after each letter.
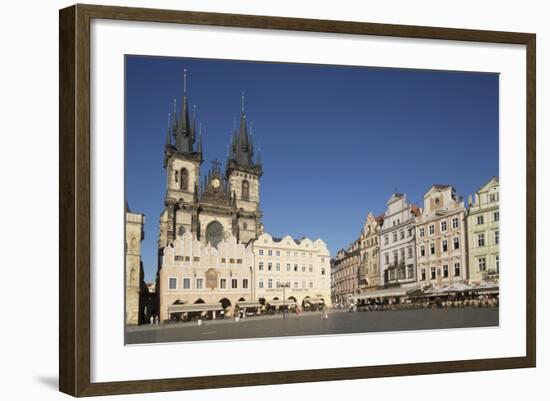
x: 199, y: 147
x: 168, y: 139
x: 242, y: 102
x: 185, y: 81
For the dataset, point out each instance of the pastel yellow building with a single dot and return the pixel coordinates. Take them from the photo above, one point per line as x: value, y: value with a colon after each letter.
x: 441, y: 237
x: 301, y: 266
x: 484, y: 233
x: 369, y: 248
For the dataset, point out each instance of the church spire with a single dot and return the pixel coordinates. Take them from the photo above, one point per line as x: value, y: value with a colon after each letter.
x: 241, y: 150
x: 185, y: 136
x: 168, y: 131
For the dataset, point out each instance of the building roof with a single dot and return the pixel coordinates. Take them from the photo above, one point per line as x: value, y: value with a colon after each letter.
x: 415, y: 210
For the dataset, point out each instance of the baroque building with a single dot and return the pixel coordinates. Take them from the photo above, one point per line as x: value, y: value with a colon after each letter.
x: 398, y: 243
x: 346, y: 270
x: 135, y: 286
x: 441, y: 237
x: 369, y: 276
x: 302, y: 267
x: 483, y: 222
x: 221, y: 203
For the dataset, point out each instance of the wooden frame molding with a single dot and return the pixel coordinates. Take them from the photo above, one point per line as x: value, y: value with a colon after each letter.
x: 74, y: 199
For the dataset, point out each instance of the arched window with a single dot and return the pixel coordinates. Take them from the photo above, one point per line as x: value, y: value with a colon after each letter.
x: 245, y: 190
x: 214, y: 233
x: 184, y: 178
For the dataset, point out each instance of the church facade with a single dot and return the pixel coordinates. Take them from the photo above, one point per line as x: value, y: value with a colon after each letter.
x: 222, y: 203
x: 209, y: 220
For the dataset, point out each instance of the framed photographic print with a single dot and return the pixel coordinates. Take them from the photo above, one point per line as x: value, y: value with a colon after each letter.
x: 250, y: 200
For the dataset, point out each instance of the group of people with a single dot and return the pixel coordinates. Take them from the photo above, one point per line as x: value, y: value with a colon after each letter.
x: 442, y: 302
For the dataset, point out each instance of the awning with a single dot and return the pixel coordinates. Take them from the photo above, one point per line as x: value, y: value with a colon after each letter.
x: 314, y: 301
x: 390, y: 292
x: 279, y: 302
x: 194, y: 308
x: 249, y: 304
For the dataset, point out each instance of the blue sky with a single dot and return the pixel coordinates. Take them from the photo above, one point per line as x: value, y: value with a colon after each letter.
x: 336, y: 141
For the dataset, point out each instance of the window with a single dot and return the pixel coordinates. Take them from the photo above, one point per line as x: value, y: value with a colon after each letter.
x: 245, y: 283
x: 387, y: 258
x: 184, y: 175
x: 303, y: 268
x: 492, y: 198
x: 288, y: 267
x: 402, y: 273
x: 261, y: 283
x: 395, y: 237
x: 172, y: 283
x: 245, y: 190
x: 481, y: 240
x: 311, y: 268
x: 432, y: 248
x: 409, y: 252
x: 386, y: 240
x: 196, y: 259
x: 445, y: 271
x: 422, y: 250
x: 199, y: 283
x: 431, y: 229
x: 497, y: 237
x: 223, y: 283
x: 479, y: 219
x: 186, y: 283
x: 245, y: 226
x: 295, y: 267
x: 295, y: 284
x: 277, y: 253
x: 187, y: 259
x: 260, y: 265
x: 269, y: 283
x: 443, y: 226
x: 288, y: 253
x: 482, y: 264
x: 223, y: 260
x: 457, y: 269
x: 456, y: 243
x: 497, y: 262
x: 455, y: 222
x: 323, y: 271
x: 401, y: 234
x: 496, y: 216
x: 402, y: 254
x: 311, y: 284
x: 303, y: 283
x: 410, y: 271
x: 277, y: 267
x: 239, y: 261
x: 421, y: 232
x: 269, y: 252
x: 395, y: 257
x: 444, y: 245
x: 232, y: 260
x: 269, y: 266
x: 432, y: 273
x: 423, y: 274
x: 179, y: 258
x: 261, y: 252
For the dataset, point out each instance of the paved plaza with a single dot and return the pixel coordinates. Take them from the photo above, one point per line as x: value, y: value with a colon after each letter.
x: 338, y: 322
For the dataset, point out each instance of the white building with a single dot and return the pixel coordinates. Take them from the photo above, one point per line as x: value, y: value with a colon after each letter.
x: 301, y: 266
x: 201, y: 278
x: 397, y: 243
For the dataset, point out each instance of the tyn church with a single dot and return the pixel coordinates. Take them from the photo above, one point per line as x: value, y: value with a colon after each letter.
x: 220, y: 204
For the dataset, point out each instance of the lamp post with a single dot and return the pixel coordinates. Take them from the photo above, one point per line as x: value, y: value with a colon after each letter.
x: 284, y: 286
